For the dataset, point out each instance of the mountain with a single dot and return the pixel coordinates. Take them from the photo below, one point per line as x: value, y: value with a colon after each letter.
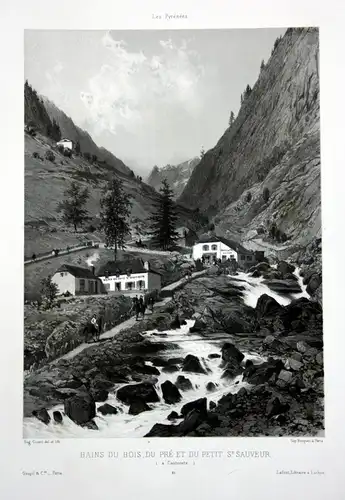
x: 48, y: 173
x: 265, y: 169
x: 176, y: 175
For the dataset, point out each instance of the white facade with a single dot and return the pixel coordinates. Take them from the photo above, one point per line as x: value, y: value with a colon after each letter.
x: 66, y: 143
x: 135, y: 282
x: 215, y: 249
x: 66, y: 282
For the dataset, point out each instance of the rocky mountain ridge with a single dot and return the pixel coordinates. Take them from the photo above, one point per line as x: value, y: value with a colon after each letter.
x: 274, y: 143
x: 176, y: 175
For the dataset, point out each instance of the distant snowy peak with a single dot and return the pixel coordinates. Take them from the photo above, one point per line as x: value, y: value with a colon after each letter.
x: 176, y: 175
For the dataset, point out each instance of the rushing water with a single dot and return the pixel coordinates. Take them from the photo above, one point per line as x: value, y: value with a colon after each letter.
x: 124, y: 425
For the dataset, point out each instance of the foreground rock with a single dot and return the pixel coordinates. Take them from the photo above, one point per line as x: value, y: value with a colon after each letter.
x: 171, y: 394
x: 138, y: 406
x: 107, y: 409
x: 80, y: 409
x: 192, y: 364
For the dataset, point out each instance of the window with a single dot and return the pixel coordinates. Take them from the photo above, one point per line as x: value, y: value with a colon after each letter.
x: 205, y: 248
x: 141, y: 284
x: 82, y: 285
x: 232, y: 257
x: 62, y: 274
x: 214, y: 247
x: 223, y: 257
x: 249, y: 257
x: 243, y: 257
x: 91, y: 287
x: 130, y: 285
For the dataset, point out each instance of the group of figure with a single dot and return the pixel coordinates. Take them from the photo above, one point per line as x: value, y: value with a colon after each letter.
x: 140, y: 305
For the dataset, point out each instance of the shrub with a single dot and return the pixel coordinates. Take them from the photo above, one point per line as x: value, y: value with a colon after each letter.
x: 266, y: 194
x: 49, y: 155
x: 61, y: 149
x: 49, y: 291
x: 67, y: 152
x: 87, y: 156
x: 35, y: 154
x: 248, y: 197
x: 91, y: 228
x: 283, y: 237
x: 260, y: 230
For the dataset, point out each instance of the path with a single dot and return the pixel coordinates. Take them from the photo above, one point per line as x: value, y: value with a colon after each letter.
x: 129, y: 322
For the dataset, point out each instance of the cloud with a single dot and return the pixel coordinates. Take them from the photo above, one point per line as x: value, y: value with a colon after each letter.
x: 136, y: 88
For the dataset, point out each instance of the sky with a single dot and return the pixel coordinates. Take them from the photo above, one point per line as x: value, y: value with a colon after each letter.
x: 151, y: 97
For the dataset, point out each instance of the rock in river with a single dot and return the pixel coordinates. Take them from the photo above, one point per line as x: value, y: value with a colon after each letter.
x: 107, y: 409
x: 138, y: 406
x: 171, y: 394
x: 144, y: 391
x: 183, y: 383
x: 192, y: 364
x: 42, y: 415
x: 80, y: 409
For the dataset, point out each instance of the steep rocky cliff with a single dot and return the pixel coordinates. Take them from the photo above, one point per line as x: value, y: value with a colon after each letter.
x: 274, y: 143
x: 176, y: 175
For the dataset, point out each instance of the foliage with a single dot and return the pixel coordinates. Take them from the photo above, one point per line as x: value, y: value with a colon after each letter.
x: 73, y: 206
x: 248, y: 197
x: 202, y: 152
x: 94, y: 158
x: 266, y: 194
x: 87, y: 156
x: 262, y: 66
x: 49, y: 155
x: 77, y: 148
x: 36, y: 117
x: 54, y: 131
x: 67, y: 152
x: 49, y: 291
x: 115, y: 212
x: 231, y: 119
x: 163, y: 222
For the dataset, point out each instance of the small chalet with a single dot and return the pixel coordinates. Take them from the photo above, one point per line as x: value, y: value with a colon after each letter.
x: 66, y: 144
x: 77, y: 281
x: 212, y: 248
x: 130, y: 276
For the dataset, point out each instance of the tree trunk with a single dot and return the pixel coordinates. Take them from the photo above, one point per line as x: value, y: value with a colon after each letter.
x: 75, y: 227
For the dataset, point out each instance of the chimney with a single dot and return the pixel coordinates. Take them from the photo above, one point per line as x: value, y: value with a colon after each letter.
x: 147, y: 265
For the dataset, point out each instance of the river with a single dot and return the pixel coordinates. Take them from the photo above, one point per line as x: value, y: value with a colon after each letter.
x: 124, y: 425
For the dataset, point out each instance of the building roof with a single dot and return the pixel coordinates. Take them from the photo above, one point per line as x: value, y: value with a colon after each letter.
x: 64, y: 139
x: 230, y: 243
x: 133, y: 266
x: 77, y: 272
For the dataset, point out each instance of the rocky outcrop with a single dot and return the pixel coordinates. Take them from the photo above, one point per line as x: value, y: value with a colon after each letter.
x: 274, y: 143
x: 144, y: 391
x: 80, y: 409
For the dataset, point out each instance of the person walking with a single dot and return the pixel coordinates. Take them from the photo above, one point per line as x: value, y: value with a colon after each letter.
x: 95, y: 326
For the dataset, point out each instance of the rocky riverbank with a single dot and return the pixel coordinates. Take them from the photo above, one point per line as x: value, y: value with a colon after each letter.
x: 50, y: 334
x: 280, y: 393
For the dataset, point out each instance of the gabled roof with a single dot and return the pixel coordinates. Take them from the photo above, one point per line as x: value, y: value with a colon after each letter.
x: 230, y: 243
x: 133, y: 266
x: 65, y: 139
x: 77, y: 272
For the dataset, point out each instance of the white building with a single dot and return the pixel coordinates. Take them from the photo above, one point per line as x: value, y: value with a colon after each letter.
x: 210, y: 248
x: 66, y: 144
x: 132, y: 276
x: 77, y: 281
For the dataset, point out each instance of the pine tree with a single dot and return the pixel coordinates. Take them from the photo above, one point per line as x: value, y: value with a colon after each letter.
x: 202, y: 152
x: 73, y: 206
x: 49, y: 291
x: 262, y: 65
x: 163, y: 222
x: 77, y: 147
x: 115, y: 211
x: 231, y: 119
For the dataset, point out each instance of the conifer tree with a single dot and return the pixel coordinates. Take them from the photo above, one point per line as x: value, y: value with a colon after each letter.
x: 163, y: 222
x: 115, y: 212
x: 73, y: 206
x: 231, y: 119
x: 262, y: 65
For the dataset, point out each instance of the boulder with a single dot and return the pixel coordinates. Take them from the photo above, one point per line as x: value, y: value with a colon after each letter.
x: 212, y: 405
x: 192, y: 420
x: 183, y: 383
x: 285, y: 268
x: 138, y: 406
x: 90, y: 425
x: 162, y: 430
x: 99, y: 395
x: 145, y: 369
x: 57, y: 417
x: 231, y: 353
x: 107, y: 409
x: 192, y: 364
x: 275, y: 407
x: 80, y: 409
x: 313, y: 283
x: 198, y: 326
x: 267, y: 306
x: 42, y: 415
x: 144, y: 391
x: 210, y: 387
x: 285, y: 286
x: 199, y: 405
x: 285, y: 376
x: 259, y: 374
x: 294, y: 364
x: 213, y: 355
x: 173, y: 416
x: 171, y: 394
